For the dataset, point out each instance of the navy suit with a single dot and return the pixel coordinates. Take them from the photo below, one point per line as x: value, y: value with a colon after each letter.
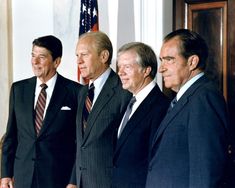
x: 95, y: 148
x: 132, y: 149
x: 189, y: 149
x: 45, y: 160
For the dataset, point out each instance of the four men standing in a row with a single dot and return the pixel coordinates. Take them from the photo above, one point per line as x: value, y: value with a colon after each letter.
x: 128, y: 135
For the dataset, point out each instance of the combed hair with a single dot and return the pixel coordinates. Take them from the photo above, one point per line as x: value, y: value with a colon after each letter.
x: 191, y: 44
x: 101, y: 42
x: 51, y: 43
x: 145, y: 55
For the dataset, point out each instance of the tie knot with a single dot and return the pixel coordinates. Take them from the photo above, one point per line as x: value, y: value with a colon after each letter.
x: 173, y: 102
x: 132, y: 101
x: 43, y: 86
x: 91, y: 86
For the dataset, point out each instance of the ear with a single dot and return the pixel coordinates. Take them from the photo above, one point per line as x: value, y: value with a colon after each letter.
x: 104, y: 55
x: 193, y: 62
x: 147, y: 71
x: 57, y: 62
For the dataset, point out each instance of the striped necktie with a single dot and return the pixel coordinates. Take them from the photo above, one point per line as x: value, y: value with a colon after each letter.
x: 40, y: 107
x: 88, y: 105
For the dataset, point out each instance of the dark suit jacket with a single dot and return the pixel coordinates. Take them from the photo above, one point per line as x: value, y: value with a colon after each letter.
x: 131, y: 154
x: 50, y: 156
x: 190, y: 147
x: 94, y: 162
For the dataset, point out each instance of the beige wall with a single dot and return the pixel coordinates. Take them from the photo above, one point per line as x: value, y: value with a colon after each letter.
x: 5, y: 61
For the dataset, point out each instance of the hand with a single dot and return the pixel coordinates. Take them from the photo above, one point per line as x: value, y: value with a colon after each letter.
x: 6, y: 183
x: 71, y: 186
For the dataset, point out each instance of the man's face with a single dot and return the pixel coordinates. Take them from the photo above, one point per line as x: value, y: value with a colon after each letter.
x: 174, y: 67
x: 90, y: 63
x: 130, y: 72
x: 42, y: 63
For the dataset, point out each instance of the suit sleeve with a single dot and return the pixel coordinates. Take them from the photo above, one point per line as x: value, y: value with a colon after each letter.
x: 207, y: 138
x: 73, y: 175
x: 10, y: 141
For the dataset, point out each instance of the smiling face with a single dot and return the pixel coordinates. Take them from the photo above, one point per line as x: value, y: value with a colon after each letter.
x: 175, y: 69
x: 42, y: 63
x: 90, y: 63
x: 133, y: 76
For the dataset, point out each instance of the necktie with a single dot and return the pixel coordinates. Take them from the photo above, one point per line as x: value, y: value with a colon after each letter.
x: 40, y: 107
x: 173, y: 102
x: 127, y: 114
x: 88, y: 105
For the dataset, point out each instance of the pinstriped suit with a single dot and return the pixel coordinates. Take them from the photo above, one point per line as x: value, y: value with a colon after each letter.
x: 94, y: 161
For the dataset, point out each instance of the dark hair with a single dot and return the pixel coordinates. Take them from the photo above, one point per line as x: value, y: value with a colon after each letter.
x: 51, y: 43
x: 101, y: 42
x: 191, y: 44
x: 145, y: 55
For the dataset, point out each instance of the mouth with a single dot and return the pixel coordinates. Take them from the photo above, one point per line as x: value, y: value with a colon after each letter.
x: 82, y: 68
x: 123, y: 80
x: 166, y: 77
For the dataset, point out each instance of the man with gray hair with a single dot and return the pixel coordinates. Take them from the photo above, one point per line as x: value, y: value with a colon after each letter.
x: 137, y: 68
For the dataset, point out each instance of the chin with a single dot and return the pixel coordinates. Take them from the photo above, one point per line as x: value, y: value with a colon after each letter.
x: 124, y: 87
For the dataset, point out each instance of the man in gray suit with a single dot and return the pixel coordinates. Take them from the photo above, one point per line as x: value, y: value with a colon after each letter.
x: 39, y: 146
x: 95, y: 140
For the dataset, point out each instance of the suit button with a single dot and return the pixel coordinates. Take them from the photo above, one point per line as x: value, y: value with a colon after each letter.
x: 150, y: 168
x: 83, y: 147
x: 82, y: 168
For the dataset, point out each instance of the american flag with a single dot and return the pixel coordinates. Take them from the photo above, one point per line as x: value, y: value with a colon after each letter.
x: 88, y: 22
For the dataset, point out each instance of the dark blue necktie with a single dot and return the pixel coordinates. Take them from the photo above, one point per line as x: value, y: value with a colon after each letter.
x: 172, y: 104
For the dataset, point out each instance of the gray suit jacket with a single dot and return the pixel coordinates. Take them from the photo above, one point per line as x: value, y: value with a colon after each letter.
x: 94, y: 161
x: 49, y: 156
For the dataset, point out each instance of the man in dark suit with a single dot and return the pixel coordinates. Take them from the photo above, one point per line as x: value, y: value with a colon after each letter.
x: 189, y: 149
x: 96, y: 135
x: 137, y: 68
x: 42, y: 156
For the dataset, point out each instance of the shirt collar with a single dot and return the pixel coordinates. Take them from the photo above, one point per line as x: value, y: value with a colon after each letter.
x: 50, y: 83
x: 184, y: 88
x: 141, y: 95
x: 99, y: 82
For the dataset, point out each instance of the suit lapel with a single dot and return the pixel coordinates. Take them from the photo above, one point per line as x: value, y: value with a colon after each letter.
x: 141, y: 113
x: 81, y: 102
x: 177, y: 108
x: 104, y: 97
x: 55, y: 103
x: 28, y: 97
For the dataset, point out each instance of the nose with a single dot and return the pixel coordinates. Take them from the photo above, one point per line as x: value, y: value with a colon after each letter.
x: 79, y: 60
x: 34, y: 60
x: 120, y: 71
x: 162, y: 68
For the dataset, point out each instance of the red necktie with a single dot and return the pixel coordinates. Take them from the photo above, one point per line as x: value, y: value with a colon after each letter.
x: 40, y: 107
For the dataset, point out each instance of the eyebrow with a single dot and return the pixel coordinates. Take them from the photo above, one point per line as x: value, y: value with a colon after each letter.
x: 167, y: 57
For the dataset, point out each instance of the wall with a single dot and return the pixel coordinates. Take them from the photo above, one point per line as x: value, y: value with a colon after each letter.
x: 124, y: 21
